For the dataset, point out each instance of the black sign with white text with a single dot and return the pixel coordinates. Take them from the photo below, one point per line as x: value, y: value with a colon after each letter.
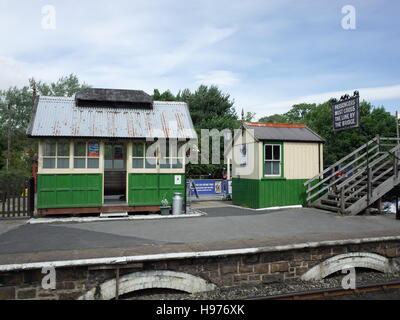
x: 346, y: 114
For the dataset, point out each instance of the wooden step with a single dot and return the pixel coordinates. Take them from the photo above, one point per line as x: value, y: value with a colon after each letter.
x: 325, y: 207
x: 330, y: 202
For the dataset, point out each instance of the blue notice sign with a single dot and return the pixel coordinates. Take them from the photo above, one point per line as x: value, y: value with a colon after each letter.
x: 211, y: 186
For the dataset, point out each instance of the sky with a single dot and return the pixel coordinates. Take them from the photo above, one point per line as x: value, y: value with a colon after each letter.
x: 267, y: 55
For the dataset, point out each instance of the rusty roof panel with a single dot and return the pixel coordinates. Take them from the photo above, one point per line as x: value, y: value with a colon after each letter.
x: 61, y: 117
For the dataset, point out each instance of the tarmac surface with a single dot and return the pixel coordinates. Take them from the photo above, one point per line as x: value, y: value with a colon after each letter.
x: 224, y: 227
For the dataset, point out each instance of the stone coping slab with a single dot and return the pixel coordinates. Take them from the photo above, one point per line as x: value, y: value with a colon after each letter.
x: 65, y: 258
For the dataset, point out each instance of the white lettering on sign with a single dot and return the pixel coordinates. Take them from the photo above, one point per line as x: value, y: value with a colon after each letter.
x: 345, y: 114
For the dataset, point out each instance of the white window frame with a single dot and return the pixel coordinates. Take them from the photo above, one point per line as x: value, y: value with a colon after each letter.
x: 56, y: 156
x: 157, y: 158
x: 139, y: 158
x: 272, y: 160
x: 86, y: 156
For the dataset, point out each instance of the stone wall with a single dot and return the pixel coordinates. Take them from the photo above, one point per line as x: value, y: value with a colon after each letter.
x: 235, y: 270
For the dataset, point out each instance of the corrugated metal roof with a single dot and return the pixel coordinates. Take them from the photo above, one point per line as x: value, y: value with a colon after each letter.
x: 59, y: 116
x: 283, y: 132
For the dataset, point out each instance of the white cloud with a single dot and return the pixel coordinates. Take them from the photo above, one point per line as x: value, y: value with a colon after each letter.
x: 218, y: 77
x: 279, y: 47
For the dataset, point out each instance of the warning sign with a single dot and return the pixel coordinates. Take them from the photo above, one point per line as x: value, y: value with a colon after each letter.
x: 346, y: 114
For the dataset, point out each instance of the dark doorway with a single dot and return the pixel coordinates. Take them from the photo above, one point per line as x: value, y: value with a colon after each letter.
x: 115, y: 173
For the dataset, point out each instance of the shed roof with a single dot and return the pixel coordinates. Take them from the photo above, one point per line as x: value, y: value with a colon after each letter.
x: 113, y: 98
x: 283, y: 132
x: 62, y: 117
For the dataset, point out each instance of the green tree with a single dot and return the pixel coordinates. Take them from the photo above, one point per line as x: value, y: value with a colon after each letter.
x: 209, y: 108
x: 298, y: 112
x: 275, y: 118
x: 21, y: 101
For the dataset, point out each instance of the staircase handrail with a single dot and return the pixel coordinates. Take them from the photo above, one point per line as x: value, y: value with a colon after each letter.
x: 376, y: 161
x: 365, y: 148
x: 321, y: 174
x: 335, y: 173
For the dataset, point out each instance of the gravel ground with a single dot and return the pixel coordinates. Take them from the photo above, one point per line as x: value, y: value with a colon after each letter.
x: 248, y: 291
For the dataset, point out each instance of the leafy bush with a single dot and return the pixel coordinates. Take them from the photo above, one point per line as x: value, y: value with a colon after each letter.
x: 12, y: 182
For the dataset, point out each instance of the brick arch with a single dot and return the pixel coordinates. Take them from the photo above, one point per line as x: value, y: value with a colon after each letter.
x: 343, y: 261
x: 148, y: 280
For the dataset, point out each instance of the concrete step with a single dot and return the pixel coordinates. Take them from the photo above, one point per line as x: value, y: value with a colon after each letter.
x: 113, y: 214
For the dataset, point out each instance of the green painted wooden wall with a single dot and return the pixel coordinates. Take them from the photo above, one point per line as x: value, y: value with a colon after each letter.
x: 266, y: 193
x: 150, y: 189
x: 69, y: 190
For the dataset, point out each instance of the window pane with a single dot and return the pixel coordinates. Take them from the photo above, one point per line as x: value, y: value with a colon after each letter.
x: 63, y: 149
x: 268, y: 168
x: 177, y: 164
x: 277, y: 153
x: 150, y: 163
x: 181, y: 149
x: 62, y: 163
x: 118, y: 152
x: 108, y: 164
x: 118, y: 164
x: 268, y: 152
x: 166, y: 151
x: 275, y: 167
x: 93, y: 163
x: 49, y: 163
x: 165, y: 163
x: 138, y: 150
x: 79, y: 163
x: 49, y: 149
x: 108, y: 153
x: 137, y: 163
x: 80, y: 149
x: 93, y: 149
x: 151, y: 149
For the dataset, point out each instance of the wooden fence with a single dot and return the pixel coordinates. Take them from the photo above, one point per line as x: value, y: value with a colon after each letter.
x: 20, y: 202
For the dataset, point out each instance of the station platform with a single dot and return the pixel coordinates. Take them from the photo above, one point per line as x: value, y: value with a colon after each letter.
x: 223, y: 227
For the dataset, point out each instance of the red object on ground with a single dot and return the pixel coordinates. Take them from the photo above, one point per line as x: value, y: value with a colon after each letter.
x: 339, y: 174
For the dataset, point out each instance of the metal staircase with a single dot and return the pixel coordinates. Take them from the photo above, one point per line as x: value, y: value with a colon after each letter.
x: 367, y: 174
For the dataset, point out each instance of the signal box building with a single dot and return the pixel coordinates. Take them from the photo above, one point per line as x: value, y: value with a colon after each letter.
x: 271, y: 163
x: 102, y: 151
